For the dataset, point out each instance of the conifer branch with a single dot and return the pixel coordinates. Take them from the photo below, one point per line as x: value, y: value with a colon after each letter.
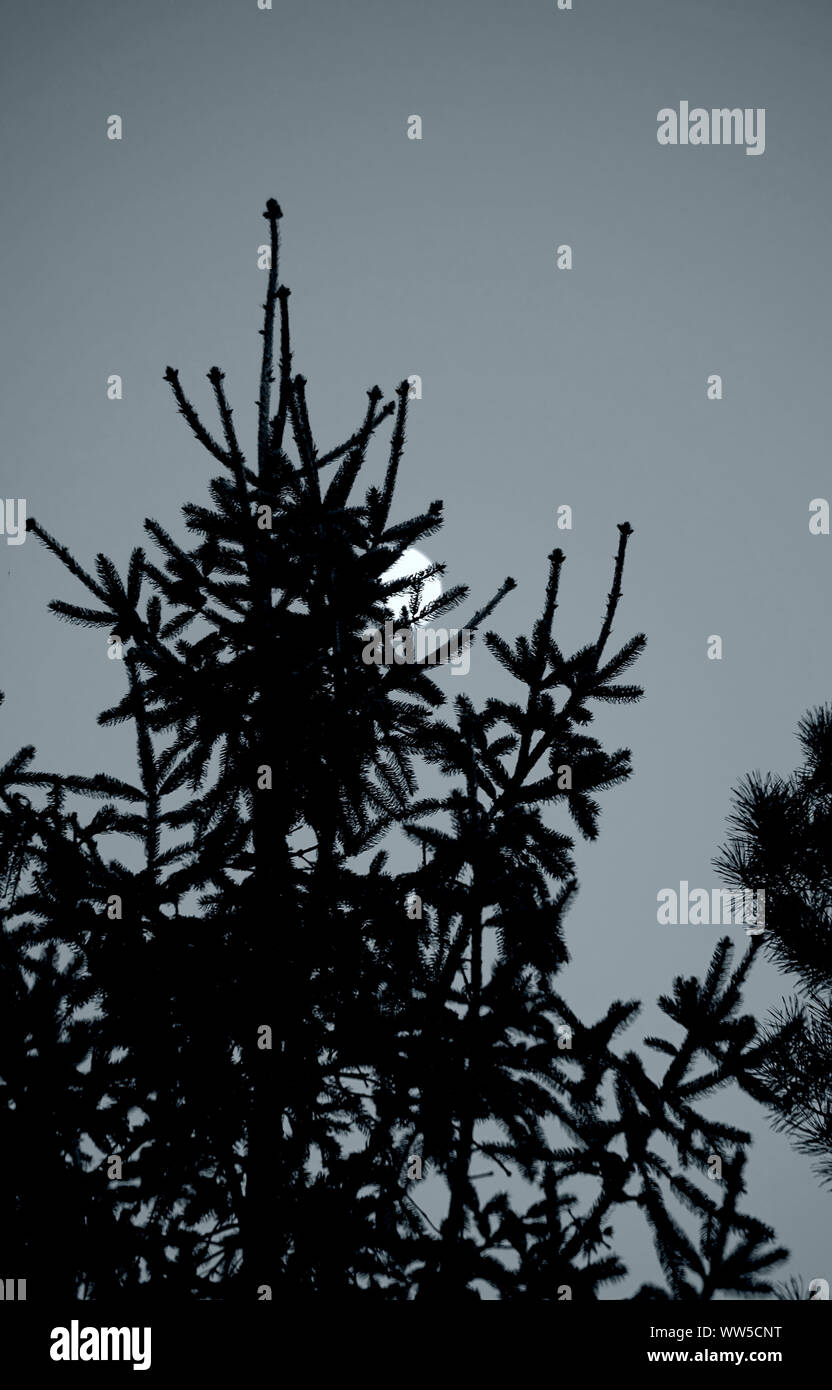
x: 272, y: 215
x: 199, y: 430
x: 614, y: 596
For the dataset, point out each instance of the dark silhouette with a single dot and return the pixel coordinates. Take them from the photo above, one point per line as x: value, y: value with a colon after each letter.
x: 781, y: 841
x: 309, y: 1009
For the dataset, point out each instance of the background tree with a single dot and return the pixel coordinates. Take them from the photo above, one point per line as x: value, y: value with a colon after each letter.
x: 781, y: 842
x: 246, y: 1008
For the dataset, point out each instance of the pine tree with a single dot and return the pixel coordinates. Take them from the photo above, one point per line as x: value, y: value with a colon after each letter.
x: 277, y: 1023
x: 780, y: 844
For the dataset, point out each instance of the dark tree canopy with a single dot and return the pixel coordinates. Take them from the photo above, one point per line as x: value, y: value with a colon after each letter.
x: 308, y: 1006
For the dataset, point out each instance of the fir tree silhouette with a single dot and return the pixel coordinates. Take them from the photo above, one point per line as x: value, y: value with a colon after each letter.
x: 302, y: 1053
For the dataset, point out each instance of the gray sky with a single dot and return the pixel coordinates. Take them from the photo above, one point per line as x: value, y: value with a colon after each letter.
x: 541, y: 387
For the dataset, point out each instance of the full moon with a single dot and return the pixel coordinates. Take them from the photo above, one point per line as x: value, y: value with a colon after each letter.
x: 410, y: 563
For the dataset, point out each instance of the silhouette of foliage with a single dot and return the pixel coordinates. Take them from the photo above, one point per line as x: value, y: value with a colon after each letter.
x: 781, y: 842
x: 302, y: 1048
